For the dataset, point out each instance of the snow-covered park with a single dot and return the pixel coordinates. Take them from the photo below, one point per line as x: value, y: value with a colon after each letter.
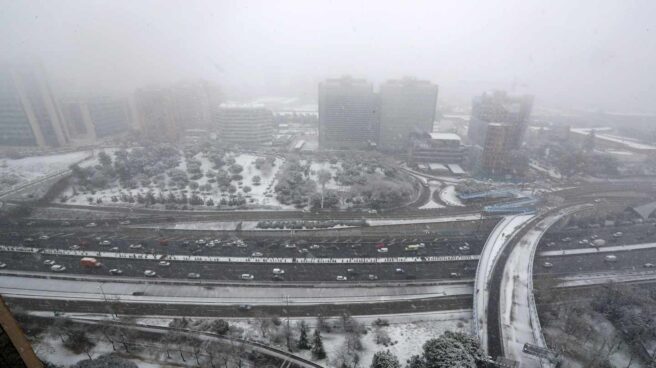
x: 22, y: 170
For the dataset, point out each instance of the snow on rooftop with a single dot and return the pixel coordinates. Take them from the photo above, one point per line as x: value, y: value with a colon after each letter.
x: 445, y: 136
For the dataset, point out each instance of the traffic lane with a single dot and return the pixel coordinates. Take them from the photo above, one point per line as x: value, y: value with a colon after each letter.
x: 628, y: 260
x: 233, y: 271
x: 632, y: 234
x: 320, y: 248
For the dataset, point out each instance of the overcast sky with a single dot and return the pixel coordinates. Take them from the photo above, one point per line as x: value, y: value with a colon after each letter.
x: 580, y: 54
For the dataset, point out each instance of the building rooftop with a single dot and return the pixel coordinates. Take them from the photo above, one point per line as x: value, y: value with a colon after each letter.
x: 445, y: 136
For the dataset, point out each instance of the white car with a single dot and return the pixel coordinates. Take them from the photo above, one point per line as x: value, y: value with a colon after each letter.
x: 315, y: 246
x: 44, y: 237
x: 400, y: 270
x: 547, y: 265
x: 136, y: 246
x: 3, y: 265
x: 150, y: 273
x: 372, y: 277
x: 242, y: 245
x: 164, y: 263
x: 646, y: 265
x: 58, y: 268
x: 126, y: 222
x: 382, y: 250
x: 48, y: 262
x: 610, y: 258
x: 200, y: 241
x: 247, y: 276
x: 278, y: 271
x: 105, y: 242
x: 256, y: 254
x: 290, y: 246
x: 116, y: 271
x: 342, y: 278
x: 91, y: 224
x: 193, y: 275
x: 74, y: 247
x: 464, y: 248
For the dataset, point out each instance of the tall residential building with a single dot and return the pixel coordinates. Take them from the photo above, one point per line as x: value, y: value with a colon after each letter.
x: 29, y: 112
x: 244, y: 124
x: 496, y: 149
x: 347, y: 114
x: 406, y: 105
x: 155, y: 113
x: 498, y: 106
x: 98, y: 117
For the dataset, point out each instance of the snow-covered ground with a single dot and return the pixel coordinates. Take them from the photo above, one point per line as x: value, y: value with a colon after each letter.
x: 448, y: 196
x: 383, y: 222
x: 19, y: 171
x: 260, y: 196
x: 434, y: 186
x: 407, y: 331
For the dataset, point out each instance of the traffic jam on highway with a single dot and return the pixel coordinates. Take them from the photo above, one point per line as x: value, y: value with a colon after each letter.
x: 342, y: 259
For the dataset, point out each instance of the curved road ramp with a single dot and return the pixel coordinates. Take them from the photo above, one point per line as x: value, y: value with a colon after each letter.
x: 520, y: 331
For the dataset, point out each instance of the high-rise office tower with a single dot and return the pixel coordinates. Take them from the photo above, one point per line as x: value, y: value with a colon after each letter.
x: 406, y: 106
x: 97, y: 117
x: 29, y: 112
x: 347, y: 114
x: 497, y: 147
x: 249, y: 125
x: 499, y: 107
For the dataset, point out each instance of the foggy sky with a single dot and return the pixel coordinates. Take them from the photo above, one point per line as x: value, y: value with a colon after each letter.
x: 572, y: 54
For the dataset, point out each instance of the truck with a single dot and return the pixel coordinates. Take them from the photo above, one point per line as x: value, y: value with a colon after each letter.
x: 88, y: 262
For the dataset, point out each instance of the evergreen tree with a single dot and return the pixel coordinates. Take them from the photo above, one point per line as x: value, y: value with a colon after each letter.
x: 385, y: 359
x: 318, y: 351
x: 303, y: 342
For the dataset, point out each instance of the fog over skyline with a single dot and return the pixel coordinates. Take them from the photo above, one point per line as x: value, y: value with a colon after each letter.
x: 586, y: 55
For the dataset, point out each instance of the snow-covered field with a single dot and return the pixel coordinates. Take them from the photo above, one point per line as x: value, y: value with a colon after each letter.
x: 260, y: 196
x: 22, y: 170
x: 448, y: 196
x: 407, y: 333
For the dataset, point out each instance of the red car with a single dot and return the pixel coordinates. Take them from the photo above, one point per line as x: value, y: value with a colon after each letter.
x: 380, y: 245
x: 163, y: 242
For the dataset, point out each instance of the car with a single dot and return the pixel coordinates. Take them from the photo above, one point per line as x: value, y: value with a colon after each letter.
x: 138, y: 293
x: 114, y: 249
x: 303, y: 251
x: 3, y: 265
x: 372, y: 277
x: 618, y: 234
x: 74, y: 247
x: 242, y: 245
x: 256, y: 254
x: 163, y: 242
x: 290, y: 245
x: 454, y: 275
x: 48, y: 262
x: 551, y: 244
x: 278, y: 271
x: 245, y: 307
x: 547, y: 265
x: 342, y: 278
x: 277, y: 278
x: 351, y: 271
x: 91, y: 224
x: 58, y: 268
x: 193, y: 275
x: 464, y: 248
x: 382, y: 250
x: 28, y: 240
x: 164, y: 263
x: 315, y: 246
x: 44, y: 237
x: 399, y: 270
x: 150, y: 273
x: 126, y: 222
x: 105, y: 242
x: 200, y: 241
x: 116, y: 271
x: 210, y: 244
x: 66, y: 223
x: 567, y: 239
x: 610, y: 258
x: 247, y: 276
x: 136, y: 246
x: 648, y: 265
